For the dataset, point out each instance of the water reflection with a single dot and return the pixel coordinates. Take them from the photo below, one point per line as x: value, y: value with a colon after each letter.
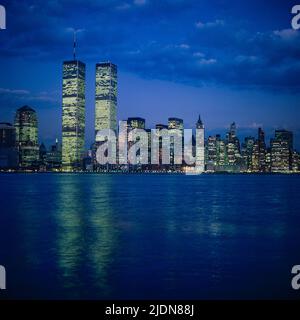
x: 85, y: 235
x: 127, y: 236
x: 103, y: 231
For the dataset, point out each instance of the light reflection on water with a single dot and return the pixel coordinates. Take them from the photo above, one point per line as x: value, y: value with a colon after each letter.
x: 149, y: 236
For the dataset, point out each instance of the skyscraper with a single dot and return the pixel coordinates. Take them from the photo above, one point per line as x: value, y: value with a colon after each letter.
x: 282, y: 151
x: 259, y: 153
x: 247, y: 151
x: 73, y: 115
x: 233, y: 145
x: 53, y: 157
x: 26, y: 125
x: 106, y: 97
x: 200, y: 163
x: 138, y: 123
x: 158, y: 128
x: 211, y: 153
x: 8, y: 150
x: 175, y: 126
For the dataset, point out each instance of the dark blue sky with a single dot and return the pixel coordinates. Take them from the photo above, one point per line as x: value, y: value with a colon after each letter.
x: 228, y: 60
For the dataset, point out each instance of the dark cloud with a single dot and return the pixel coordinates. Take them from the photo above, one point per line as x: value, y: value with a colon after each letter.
x: 183, y: 41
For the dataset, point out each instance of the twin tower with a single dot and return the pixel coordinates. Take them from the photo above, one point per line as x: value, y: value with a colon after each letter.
x: 73, y: 114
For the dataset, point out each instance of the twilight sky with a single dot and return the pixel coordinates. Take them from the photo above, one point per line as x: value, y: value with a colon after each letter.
x: 228, y: 60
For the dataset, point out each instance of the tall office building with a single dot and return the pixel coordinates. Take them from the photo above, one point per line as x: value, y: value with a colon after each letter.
x: 233, y: 145
x: 259, y: 153
x: 247, y: 151
x: 222, y: 158
x: 280, y: 156
x: 26, y: 124
x: 73, y: 114
x: 139, y: 123
x: 175, y: 127
x: 211, y: 152
x: 8, y: 151
x: 136, y: 123
x: 106, y: 97
x: 53, y: 157
x: 282, y: 151
x: 158, y: 128
x: 285, y: 135
x: 200, y: 163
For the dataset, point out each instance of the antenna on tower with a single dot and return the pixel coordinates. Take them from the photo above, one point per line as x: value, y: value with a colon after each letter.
x: 74, y: 47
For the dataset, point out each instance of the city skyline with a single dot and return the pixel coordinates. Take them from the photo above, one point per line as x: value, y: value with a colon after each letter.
x: 177, y: 149
x: 163, y: 71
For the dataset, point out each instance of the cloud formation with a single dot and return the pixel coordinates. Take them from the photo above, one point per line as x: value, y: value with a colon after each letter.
x: 181, y: 41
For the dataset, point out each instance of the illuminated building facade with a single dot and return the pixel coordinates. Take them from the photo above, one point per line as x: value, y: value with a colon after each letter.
x: 8, y: 151
x: 136, y: 123
x: 247, y: 151
x: 200, y: 148
x: 106, y: 97
x: 175, y: 126
x: 211, y: 153
x: 233, y: 145
x: 259, y: 153
x: 26, y: 124
x: 53, y: 157
x: 139, y: 123
x: 282, y: 151
x: 73, y: 114
x: 158, y: 128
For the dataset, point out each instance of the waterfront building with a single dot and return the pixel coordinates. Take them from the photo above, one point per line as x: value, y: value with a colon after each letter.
x: 280, y: 156
x: 42, y: 154
x: 247, y: 151
x: 222, y: 158
x: 211, y: 153
x: 26, y: 124
x: 282, y: 151
x: 136, y: 123
x: 268, y: 160
x: 145, y: 141
x: 161, y: 126
x: 175, y: 127
x: 158, y: 128
x: 200, y: 147
x: 73, y: 114
x: 295, y: 161
x: 53, y: 157
x: 259, y: 153
x: 8, y: 151
x: 233, y: 146
x: 106, y: 97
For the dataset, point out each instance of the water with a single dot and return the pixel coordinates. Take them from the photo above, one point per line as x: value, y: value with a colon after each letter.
x: 69, y: 236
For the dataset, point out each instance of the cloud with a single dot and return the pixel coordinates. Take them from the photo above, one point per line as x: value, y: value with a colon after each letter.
x: 207, y: 61
x: 123, y: 6
x: 25, y: 96
x: 253, y: 125
x: 286, y: 34
x: 161, y: 41
x: 14, y: 91
x: 184, y: 46
x: 212, y: 24
x: 199, y: 54
x: 140, y: 2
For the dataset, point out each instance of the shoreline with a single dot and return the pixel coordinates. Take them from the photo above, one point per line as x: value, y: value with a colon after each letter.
x: 149, y: 173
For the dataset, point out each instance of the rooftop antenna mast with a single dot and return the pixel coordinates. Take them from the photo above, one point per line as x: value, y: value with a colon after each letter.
x: 74, y: 46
